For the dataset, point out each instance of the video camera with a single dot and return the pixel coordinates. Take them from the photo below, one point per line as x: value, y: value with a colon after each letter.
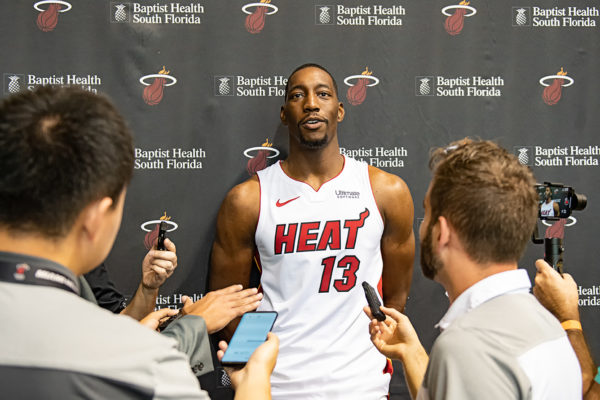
x: 563, y: 196
x: 556, y: 202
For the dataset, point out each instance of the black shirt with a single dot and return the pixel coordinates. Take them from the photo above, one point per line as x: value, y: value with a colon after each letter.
x: 104, y: 289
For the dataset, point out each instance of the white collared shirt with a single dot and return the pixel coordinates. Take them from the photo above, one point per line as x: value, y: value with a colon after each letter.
x: 498, y: 342
x: 516, y: 281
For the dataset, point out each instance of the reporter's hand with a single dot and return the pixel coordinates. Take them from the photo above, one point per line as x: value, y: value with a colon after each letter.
x: 220, y: 307
x: 154, y: 319
x: 394, y: 337
x: 259, y: 366
x: 555, y: 292
x: 158, y: 265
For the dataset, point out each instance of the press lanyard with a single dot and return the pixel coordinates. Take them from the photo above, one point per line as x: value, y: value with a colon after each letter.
x: 31, y: 274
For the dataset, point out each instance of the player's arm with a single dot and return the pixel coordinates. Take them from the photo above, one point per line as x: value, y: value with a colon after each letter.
x: 556, y: 209
x: 398, y: 241
x: 233, y: 248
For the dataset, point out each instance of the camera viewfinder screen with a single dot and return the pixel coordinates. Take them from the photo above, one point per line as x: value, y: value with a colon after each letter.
x: 554, y: 201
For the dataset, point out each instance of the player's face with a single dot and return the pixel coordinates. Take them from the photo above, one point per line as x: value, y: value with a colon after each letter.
x: 312, y: 110
x: 548, y: 193
x: 430, y: 262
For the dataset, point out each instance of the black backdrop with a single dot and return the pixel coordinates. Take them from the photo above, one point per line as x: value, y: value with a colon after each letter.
x: 434, y: 71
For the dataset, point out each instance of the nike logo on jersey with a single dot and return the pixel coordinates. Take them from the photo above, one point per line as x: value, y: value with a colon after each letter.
x: 280, y: 204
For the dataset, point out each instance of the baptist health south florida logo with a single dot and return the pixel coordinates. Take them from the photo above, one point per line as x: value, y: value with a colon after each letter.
x: 175, y: 13
x: 372, y: 15
x: 555, y: 17
x: 558, y: 156
x: 47, y: 18
x: 249, y: 86
x: 459, y: 86
x: 175, y: 158
x: 14, y: 83
x: 378, y: 156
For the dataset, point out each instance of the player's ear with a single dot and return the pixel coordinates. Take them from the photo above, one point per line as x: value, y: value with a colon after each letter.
x: 341, y: 112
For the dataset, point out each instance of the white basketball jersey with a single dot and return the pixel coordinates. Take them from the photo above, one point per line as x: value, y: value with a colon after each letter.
x: 547, y: 209
x: 315, y: 248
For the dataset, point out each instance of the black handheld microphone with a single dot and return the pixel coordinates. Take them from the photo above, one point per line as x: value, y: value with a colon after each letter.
x: 373, y: 301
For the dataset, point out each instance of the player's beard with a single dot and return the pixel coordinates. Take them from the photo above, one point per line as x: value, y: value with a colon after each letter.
x: 430, y: 261
x: 312, y: 143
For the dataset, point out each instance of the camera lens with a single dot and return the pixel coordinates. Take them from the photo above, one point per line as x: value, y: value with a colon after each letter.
x: 579, y: 201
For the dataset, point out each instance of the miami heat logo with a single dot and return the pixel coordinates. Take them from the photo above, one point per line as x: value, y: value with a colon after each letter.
x: 153, y: 92
x: 152, y: 234
x: 357, y: 93
x: 553, y: 91
x: 259, y: 161
x: 455, y: 22
x: 48, y: 17
x: 20, y: 271
x: 255, y: 21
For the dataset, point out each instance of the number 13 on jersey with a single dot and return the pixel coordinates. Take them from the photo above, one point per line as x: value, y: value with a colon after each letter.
x: 349, y: 264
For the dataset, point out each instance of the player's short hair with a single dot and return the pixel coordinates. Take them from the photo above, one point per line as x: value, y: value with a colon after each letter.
x: 310, y: 65
x: 60, y: 150
x: 487, y: 196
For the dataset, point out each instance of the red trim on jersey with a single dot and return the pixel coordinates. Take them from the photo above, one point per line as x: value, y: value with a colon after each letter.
x: 259, y: 203
x: 259, y: 267
x: 339, y: 173
x: 373, y: 194
x: 389, y: 367
x: 380, y: 287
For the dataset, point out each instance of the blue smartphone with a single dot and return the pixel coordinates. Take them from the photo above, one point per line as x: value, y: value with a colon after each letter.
x: 250, y: 333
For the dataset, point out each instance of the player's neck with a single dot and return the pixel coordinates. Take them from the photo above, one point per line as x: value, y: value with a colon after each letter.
x: 314, y: 167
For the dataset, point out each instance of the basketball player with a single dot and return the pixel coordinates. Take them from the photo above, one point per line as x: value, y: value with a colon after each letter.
x: 549, y: 208
x: 319, y: 224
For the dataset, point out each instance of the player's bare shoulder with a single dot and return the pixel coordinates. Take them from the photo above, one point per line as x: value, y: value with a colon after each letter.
x: 242, y: 203
x: 391, y: 193
x: 386, y: 185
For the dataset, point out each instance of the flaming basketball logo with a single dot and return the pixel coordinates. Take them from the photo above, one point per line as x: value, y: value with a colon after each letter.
x: 255, y: 21
x: 153, y: 92
x: 48, y: 18
x: 152, y: 234
x: 259, y: 161
x: 455, y: 22
x: 553, y: 92
x: 357, y: 92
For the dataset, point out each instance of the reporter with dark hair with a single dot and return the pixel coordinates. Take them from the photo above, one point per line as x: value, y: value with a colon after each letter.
x: 67, y: 157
